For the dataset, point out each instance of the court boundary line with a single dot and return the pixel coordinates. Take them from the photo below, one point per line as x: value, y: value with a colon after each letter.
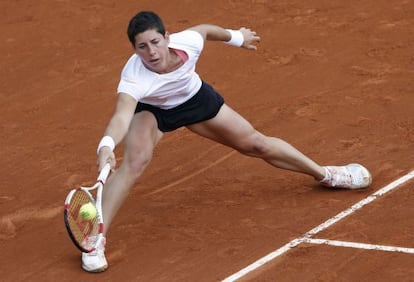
x: 307, y: 236
x: 356, y: 245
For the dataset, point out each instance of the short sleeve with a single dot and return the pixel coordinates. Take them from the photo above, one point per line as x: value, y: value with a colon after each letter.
x: 189, y: 40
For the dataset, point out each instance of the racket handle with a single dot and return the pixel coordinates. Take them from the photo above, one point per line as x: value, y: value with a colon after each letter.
x: 103, y: 175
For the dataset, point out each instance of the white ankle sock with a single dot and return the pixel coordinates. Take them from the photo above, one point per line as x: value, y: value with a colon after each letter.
x: 327, y: 175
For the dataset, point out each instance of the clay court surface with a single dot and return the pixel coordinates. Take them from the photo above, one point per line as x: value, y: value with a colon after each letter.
x: 333, y: 78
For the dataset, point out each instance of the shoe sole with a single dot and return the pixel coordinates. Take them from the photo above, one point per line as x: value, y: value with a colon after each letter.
x: 101, y: 269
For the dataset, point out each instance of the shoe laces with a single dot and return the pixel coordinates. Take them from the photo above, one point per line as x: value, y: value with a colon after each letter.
x: 337, y: 176
x: 342, y: 176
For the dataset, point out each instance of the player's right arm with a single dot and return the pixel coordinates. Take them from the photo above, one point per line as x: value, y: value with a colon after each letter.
x: 117, y: 127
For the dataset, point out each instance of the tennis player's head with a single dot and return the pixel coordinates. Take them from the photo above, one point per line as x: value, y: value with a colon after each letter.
x: 142, y: 22
x: 150, y: 41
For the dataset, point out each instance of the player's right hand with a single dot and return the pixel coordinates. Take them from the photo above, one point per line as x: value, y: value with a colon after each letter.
x: 106, y: 155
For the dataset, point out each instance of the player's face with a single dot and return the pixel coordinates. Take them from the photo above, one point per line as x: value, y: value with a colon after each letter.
x: 152, y: 48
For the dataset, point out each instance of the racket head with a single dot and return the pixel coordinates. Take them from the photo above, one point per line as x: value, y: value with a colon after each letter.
x: 85, y: 233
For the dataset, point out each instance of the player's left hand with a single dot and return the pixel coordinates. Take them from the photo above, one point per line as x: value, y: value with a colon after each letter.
x: 250, y: 38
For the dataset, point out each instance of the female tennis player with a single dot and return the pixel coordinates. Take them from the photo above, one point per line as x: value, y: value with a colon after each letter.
x: 160, y: 91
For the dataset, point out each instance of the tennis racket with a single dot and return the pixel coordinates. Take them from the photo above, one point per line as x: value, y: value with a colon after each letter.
x: 86, y: 233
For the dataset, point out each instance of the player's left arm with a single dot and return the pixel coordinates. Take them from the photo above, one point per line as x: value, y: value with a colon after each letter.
x: 243, y: 37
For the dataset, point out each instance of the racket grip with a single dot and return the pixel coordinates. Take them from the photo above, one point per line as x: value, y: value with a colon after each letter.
x: 103, y: 175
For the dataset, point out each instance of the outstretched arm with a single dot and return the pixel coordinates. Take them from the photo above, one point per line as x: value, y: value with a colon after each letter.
x: 116, y: 129
x: 248, y: 37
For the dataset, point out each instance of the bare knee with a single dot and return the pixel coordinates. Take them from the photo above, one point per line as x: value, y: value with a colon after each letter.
x: 135, y: 163
x: 257, y: 145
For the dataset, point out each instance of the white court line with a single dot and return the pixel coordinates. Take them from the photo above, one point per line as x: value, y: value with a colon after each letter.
x: 359, y: 245
x: 319, y: 228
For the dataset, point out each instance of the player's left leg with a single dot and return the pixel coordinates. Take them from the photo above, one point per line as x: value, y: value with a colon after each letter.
x: 231, y: 129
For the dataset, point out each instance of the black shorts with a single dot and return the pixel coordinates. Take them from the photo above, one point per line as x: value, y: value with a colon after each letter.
x: 202, y: 106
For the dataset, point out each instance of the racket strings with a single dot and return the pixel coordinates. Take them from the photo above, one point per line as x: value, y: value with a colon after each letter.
x: 85, y: 231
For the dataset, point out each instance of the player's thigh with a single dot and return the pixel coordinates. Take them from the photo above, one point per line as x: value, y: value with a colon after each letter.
x: 143, y: 135
x: 227, y: 127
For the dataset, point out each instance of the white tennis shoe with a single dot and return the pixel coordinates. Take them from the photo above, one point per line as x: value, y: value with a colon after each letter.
x: 95, y: 261
x: 351, y: 176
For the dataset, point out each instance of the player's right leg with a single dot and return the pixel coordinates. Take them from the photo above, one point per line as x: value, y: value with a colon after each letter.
x: 139, y: 143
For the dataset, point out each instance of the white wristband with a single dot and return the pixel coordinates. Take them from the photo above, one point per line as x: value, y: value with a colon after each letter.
x: 106, y: 141
x: 236, y: 39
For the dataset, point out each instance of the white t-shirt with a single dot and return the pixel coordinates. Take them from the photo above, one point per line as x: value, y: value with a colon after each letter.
x: 170, y: 89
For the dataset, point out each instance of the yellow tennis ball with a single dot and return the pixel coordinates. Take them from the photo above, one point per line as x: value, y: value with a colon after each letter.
x: 88, y: 211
